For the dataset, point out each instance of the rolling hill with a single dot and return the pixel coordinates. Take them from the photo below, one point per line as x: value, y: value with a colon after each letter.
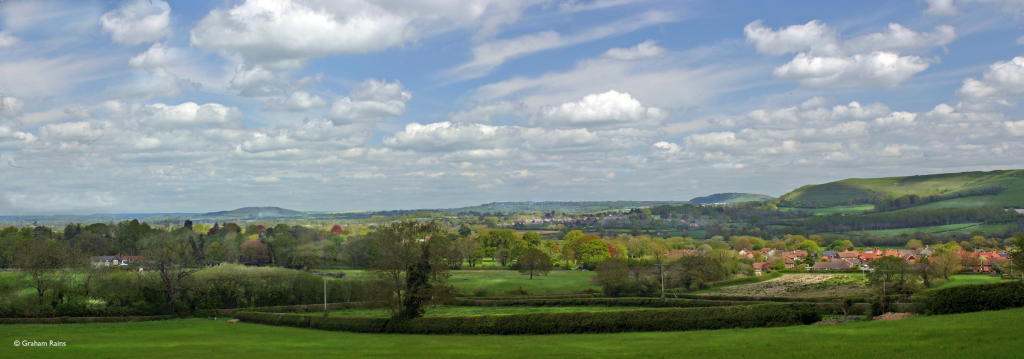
x: 960, y: 190
x: 255, y: 212
x: 730, y: 198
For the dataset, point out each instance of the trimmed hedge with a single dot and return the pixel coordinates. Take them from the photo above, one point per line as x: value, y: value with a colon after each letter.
x: 610, y: 302
x: 674, y: 319
x: 67, y: 320
x: 972, y: 298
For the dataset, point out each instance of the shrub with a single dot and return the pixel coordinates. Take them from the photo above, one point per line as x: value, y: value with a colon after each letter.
x: 480, y: 292
x: 972, y: 298
x: 675, y: 319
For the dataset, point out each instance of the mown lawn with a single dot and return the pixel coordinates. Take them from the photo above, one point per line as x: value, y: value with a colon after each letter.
x: 973, y: 335
x: 467, y: 311
x: 962, y: 279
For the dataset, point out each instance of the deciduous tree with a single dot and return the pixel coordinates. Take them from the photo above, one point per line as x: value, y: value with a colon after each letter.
x: 534, y: 262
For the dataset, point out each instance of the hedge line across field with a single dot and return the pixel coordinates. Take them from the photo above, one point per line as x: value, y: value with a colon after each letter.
x: 674, y: 319
x: 67, y: 320
x: 609, y: 302
x: 972, y: 298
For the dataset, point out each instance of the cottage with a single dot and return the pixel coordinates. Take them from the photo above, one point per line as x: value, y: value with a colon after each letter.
x: 762, y: 266
x: 106, y: 261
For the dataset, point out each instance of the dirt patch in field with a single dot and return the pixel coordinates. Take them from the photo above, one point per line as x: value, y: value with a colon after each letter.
x: 893, y: 316
x: 799, y: 285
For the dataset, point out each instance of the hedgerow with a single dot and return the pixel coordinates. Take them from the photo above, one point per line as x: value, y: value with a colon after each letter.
x: 611, y: 302
x: 673, y: 319
x: 972, y: 298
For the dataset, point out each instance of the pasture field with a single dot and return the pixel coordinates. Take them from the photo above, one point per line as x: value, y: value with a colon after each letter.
x: 799, y: 285
x: 992, y: 334
x: 453, y: 311
x: 857, y: 209
x: 499, y: 282
x: 968, y: 227
x: 963, y: 279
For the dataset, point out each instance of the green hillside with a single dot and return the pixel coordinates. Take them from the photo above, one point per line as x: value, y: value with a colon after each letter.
x: 962, y: 190
x: 255, y: 212
x: 730, y: 198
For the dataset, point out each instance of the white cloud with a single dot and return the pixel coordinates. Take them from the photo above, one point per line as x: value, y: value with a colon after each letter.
x: 447, y: 136
x: 8, y: 40
x: 185, y: 115
x: 256, y: 81
x: 999, y: 86
x: 11, y: 107
x: 940, y: 8
x: 282, y: 34
x: 607, y: 110
x: 872, y: 60
x: 814, y: 34
x: 138, y: 22
x: 370, y: 102
x: 307, y: 80
x: 643, y: 50
x: 298, y: 101
x: 489, y: 55
x: 878, y: 69
x: 485, y: 113
x: 157, y: 56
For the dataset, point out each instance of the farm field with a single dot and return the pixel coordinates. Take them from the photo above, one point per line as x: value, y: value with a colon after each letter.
x: 963, y: 279
x: 499, y: 282
x: 975, y: 335
x: 933, y: 229
x: 858, y: 209
x: 799, y: 285
x: 467, y: 311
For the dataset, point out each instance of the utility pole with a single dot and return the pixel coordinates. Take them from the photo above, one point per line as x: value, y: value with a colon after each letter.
x: 661, y: 268
x: 325, y: 294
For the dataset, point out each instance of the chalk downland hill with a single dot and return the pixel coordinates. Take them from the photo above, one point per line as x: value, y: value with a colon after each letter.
x: 255, y: 212
x: 956, y: 190
x: 731, y: 198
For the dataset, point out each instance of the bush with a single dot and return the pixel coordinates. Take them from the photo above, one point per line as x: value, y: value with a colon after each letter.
x: 480, y: 292
x: 972, y: 298
x: 675, y: 319
x: 519, y: 291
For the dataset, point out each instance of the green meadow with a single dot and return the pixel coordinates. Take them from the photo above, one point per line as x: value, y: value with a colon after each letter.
x: 500, y: 282
x: 993, y: 334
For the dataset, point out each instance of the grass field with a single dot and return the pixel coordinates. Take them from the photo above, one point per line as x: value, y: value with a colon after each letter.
x: 974, y: 335
x: 799, y: 285
x: 467, y: 311
x: 499, y: 282
x: 933, y: 229
x: 962, y: 279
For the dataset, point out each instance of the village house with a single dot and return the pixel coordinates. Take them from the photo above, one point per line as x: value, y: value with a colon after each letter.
x: 106, y: 261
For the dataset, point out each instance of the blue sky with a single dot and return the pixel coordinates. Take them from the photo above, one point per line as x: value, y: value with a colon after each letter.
x: 194, y: 106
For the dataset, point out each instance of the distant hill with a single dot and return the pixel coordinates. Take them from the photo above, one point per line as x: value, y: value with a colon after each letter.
x: 255, y: 212
x: 730, y: 198
x: 961, y: 190
x: 566, y: 206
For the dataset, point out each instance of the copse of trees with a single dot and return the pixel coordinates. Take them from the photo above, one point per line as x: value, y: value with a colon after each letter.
x: 910, y: 219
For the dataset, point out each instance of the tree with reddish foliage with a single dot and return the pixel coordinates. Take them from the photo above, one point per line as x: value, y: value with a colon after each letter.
x: 261, y: 227
x: 212, y: 231
x: 255, y: 252
x: 612, y: 250
x: 337, y: 229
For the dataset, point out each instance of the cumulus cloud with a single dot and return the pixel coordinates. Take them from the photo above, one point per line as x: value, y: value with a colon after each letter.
x: 8, y: 40
x: 138, y: 22
x: 872, y: 60
x: 607, y: 110
x: 643, y: 50
x: 1000, y: 85
x: 11, y: 107
x: 157, y: 56
x: 282, y: 34
x: 185, y: 115
x: 256, y: 81
x: 370, y: 102
x: 485, y: 113
x: 448, y: 136
x: 940, y: 8
x: 298, y: 101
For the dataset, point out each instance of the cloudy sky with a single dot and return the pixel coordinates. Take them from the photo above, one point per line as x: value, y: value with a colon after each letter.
x: 196, y: 106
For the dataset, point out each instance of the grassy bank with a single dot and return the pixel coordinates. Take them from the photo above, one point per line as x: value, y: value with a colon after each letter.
x: 974, y: 335
x: 963, y: 279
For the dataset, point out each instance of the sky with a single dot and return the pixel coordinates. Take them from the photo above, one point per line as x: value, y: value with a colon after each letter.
x: 315, y: 105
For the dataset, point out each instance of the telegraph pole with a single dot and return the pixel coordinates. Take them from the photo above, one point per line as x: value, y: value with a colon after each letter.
x: 661, y: 268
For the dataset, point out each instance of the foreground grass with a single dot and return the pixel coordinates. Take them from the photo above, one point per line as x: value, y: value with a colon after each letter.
x: 973, y: 335
x: 467, y: 311
x: 963, y: 279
